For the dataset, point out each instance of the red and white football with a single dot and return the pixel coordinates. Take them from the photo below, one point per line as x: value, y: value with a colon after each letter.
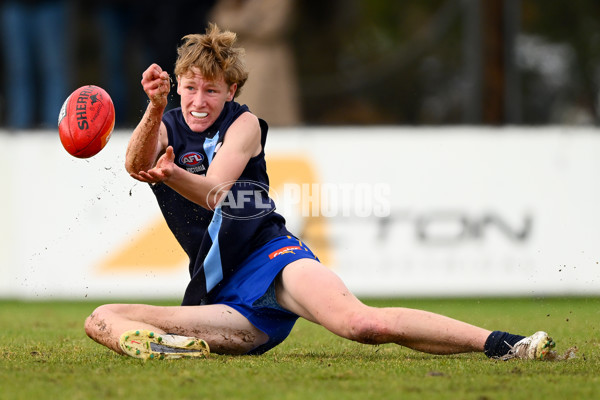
x: 86, y: 120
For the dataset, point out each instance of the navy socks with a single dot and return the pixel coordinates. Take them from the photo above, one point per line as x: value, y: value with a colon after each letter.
x: 499, y: 343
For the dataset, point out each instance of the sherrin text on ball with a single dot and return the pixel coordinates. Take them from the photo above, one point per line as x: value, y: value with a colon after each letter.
x: 86, y: 121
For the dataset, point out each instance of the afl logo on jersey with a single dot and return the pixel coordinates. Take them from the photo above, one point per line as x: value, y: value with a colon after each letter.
x: 191, y: 159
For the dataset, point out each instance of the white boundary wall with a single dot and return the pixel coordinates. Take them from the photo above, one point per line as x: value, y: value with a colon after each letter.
x: 472, y: 211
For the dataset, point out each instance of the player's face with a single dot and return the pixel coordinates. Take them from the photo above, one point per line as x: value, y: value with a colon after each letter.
x: 203, y: 100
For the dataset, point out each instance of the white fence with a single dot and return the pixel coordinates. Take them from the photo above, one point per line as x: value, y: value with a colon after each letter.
x: 395, y: 211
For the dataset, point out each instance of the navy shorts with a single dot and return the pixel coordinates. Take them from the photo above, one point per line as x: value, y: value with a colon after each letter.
x: 251, y: 290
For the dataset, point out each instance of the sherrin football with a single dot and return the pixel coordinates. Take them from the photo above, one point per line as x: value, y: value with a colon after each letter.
x: 86, y: 120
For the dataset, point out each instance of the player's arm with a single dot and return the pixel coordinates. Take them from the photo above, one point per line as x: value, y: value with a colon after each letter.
x: 241, y: 143
x: 149, y: 138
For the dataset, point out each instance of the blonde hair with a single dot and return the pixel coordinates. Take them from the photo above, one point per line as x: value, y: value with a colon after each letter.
x: 214, y: 55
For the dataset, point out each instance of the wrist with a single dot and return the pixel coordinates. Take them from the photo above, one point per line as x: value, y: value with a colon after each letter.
x: 157, y: 106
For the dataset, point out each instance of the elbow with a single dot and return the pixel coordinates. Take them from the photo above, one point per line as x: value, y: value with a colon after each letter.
x: 211, y: 202
x: 129, y: 161
x: 215, y: 197
x: 130, y: 167
x: 133, y: 166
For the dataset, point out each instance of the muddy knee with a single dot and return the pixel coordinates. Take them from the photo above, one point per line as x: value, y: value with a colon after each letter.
x: 96, y: 323
x: 366, y: 329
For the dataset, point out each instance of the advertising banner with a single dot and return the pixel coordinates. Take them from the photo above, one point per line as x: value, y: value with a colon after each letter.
x: 394, y: 211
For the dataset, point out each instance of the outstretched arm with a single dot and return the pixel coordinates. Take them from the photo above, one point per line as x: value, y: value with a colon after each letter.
x: 149, y: 138
x: 241, y: 143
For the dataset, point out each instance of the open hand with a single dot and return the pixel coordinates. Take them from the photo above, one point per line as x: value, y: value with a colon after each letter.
x: 162, y: 172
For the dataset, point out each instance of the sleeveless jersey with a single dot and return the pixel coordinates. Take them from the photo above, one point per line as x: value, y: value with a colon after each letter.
x: 217, y: 241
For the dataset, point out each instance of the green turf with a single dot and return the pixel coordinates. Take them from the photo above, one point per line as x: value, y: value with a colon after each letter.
x: 44, y: 353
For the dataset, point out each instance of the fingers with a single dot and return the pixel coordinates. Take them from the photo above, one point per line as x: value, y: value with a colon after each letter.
x: 137, y: 177
x: 170, y: 154
x: 156, y: 84
x: 153, y: 72
x: 142, y: 177
x: 161, y: 172
x: 154, y: 175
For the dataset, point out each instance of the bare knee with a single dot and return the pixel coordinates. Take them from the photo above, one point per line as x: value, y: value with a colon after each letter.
x: 367, y: 328
x: 97, y: 323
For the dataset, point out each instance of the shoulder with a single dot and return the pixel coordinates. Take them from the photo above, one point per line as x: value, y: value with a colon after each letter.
x: 249, y: 118
x: 247, y: 123
x: 236, y: 108
x: 242, y: 114
x: 239, y: 117
x: 233, y: 111
x: 246, y: 131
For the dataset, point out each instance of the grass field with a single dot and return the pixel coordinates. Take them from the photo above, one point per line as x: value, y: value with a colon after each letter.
x: 45, y: 354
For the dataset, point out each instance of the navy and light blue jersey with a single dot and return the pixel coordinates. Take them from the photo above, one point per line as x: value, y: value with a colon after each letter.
x: 217, y: 241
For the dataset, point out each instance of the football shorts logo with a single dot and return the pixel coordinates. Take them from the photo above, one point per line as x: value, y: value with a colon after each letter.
x: 191, y: 159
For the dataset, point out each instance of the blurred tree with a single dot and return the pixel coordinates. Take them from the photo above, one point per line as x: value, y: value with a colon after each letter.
x: 363, y: 62
x: 425, y: 62
x: 422, y: 62
x: 571, y: 33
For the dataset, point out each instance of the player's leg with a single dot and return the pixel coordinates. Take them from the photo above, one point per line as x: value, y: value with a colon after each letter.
x: 314, y: 292
x: 224, y: 329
